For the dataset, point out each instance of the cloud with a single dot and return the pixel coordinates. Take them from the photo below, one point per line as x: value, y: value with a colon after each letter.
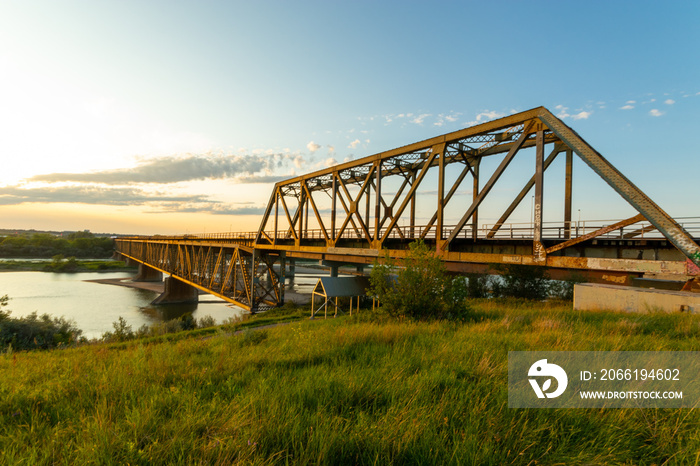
x: 263, y: 179
x: 442, y: 118
x: 354, y: 144
x: 627, y: 107
x: 156, y: 202
x: 14, y: 195
x: 174, y: 169
x: 669, y: 101
x: 298, y: 161
x: 486, y: 115
x: 212, y: 207
x: 564, y: 113
x: 420, y: 118
x: 581, y: 115
x: 655, y: 112
x: 313, y: 147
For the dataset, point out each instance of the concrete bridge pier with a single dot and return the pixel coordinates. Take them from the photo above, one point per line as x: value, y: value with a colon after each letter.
x: 148, y: 274
x: 177, y: 292
x: 291, y: 271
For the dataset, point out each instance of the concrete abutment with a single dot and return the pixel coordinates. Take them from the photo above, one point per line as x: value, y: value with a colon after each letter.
x: 148, y: 274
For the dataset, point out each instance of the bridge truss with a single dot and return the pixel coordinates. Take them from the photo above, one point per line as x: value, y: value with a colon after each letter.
x: 366, y: 209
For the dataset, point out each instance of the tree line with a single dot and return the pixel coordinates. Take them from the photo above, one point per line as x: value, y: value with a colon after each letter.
x: 81, y: 244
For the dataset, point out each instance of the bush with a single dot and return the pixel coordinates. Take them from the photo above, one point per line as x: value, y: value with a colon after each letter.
x: 122, y: 331
x: 60, y: 264
x: 522, y: 281
x: 421, y: 289
x: 35, y: 332
x: 478, y: 285
x: 206, y: 321
x: 565, y: 289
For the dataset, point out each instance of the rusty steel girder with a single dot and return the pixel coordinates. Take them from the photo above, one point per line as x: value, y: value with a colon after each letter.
x: 238, y: 274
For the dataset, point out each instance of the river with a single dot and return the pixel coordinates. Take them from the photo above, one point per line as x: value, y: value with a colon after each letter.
x: 95, y: 306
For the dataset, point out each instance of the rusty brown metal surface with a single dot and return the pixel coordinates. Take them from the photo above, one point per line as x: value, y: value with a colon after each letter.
x: 594, y: 234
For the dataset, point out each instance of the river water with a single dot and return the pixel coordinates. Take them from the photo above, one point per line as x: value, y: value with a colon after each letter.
x: 94, y: 306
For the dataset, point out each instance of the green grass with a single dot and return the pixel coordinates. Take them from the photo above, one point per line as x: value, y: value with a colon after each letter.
x: 338, y: 391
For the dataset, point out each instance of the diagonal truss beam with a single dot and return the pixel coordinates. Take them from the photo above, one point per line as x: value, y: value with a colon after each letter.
x: 487, y: 188
x: 624, y: 187
x: 315, y: 209
x: 598, y: 232
x: 410, y: 194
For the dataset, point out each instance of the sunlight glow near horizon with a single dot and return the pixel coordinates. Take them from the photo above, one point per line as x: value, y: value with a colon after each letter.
x: 93, y: 88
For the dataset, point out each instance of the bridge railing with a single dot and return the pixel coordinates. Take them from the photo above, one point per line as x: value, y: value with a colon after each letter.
x: 511, y: 230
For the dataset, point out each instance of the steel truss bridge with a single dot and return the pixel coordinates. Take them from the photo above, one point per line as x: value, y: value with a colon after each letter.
x: 365, y: 210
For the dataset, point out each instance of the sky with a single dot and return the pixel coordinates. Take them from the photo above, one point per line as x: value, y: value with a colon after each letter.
x: 166, y: 117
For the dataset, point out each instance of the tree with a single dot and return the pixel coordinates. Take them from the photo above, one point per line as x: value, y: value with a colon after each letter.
x: 420, y: 288
x: 4, y: 300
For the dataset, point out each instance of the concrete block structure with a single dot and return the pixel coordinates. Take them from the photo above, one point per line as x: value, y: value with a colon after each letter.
x: 592, y: 297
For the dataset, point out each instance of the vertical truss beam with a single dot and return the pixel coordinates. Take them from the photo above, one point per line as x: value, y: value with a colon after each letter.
x: 475, y: 195
x: 440, y: 150
x: 526, y: 189
x: 568, y: 177
x: 537, y: 247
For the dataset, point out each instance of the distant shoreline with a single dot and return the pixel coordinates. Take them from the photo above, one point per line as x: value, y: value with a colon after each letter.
x: 80, y: 265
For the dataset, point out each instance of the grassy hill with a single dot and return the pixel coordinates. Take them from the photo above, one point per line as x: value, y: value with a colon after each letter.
x: 338, y: 391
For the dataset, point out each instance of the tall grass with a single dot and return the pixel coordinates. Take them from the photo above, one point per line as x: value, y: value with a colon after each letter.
x: 341, y: 391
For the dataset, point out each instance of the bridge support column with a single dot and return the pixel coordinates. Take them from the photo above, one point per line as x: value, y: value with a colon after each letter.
x: 148, y: 274
x: 291, y: 271
x: 177, y: 292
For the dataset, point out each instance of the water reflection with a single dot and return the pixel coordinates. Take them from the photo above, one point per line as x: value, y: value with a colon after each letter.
x: 163, y: 312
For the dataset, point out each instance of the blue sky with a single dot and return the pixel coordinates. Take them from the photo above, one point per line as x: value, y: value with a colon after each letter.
x: 168, y: 116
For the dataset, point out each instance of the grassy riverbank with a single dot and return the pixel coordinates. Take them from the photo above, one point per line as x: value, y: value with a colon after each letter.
x: 338, y: 391
x: 64, y: 265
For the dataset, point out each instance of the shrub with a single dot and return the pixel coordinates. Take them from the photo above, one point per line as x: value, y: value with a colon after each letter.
x: 564, y: 289
x: 522, y: 281
x: 60, y: 264
x: 478, y: 285
x: 206, y: 321
x: 421, y: 288
x: 34, y: 331
x: 122, y: 331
